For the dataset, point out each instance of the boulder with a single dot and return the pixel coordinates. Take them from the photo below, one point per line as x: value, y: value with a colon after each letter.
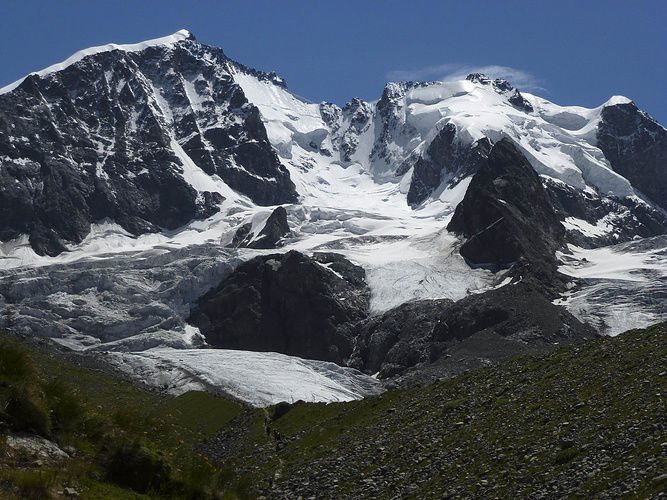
x: 36, y: 446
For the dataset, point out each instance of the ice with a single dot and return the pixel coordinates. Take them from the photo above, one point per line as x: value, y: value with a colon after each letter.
x: 620, y: 287
x: 257, y: 378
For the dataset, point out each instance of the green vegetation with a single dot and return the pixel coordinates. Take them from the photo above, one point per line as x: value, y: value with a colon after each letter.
x: 587, y: 421
x: 123, y: 442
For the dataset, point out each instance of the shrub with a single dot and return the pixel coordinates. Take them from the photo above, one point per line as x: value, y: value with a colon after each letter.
x: 31, y: 483
x: 136, y: 466
x: 15, y: 364
x: 67, y: 412
x: 564, y: 456
x: 22, y: 413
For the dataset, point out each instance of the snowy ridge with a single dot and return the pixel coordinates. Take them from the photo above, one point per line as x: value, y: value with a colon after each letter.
x: 135, y: 47
x: 558, y: 141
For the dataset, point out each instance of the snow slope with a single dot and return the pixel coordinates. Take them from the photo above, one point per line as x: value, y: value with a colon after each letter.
x: 136, y: 47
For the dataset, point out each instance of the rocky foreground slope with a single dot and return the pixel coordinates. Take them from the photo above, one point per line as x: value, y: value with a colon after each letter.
x: 583, y: 422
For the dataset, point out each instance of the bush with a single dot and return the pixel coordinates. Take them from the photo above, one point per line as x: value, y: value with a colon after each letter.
x: 564, y: 456
x: 197, y: 478
x: 67, y: 412
x: 136, y: 466
x: 15, y: 364
x: 22, y: 413
x: 31, y: 483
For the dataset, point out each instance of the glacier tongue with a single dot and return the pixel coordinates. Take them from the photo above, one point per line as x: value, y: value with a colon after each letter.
x: 257, y: 378
x: 622, y: 286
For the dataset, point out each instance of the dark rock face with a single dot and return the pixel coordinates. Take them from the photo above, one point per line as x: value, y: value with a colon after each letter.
x: 514, y: 311
x: 631, y: 217
x: 636, y: 146
x: 275, y: 228
x: 446, y: 158
x: 506, y: 213
x: 399, y: 339
x: 107, y: 137
x: 494, y: 327
x: 287, y: 303
x: 392, y: 125
x: 359, y: 114
x: 422, y: 341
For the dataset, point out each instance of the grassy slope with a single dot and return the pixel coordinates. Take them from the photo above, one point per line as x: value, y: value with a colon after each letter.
x: 99, y: 416
x: 582, y: 422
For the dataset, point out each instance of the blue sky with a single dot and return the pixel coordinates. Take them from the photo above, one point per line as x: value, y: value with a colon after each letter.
x: 572, y: 53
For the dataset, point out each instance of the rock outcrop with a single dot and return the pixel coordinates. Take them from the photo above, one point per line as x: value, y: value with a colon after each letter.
x: 275, y: 227
x: 506, y: 213
x: 446, y: 159
x: 400, y: 339
x: 504, y: 88
x: 287, y: 303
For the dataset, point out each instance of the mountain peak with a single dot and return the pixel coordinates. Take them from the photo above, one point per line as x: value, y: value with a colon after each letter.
x: 616, y: 100
x: 502, y: 87
x: 184, y: 33
x: 179, y: 36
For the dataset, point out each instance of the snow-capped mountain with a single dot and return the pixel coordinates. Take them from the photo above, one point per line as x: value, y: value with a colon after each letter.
x: 153, y: 135
x: 150, y: 135
x: 134, y: 179
x: 429, y: 137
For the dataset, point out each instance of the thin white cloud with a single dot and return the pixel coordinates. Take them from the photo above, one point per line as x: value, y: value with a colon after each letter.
x: 520, y: 79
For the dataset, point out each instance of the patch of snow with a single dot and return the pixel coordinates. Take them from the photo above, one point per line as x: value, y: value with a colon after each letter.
x: 601, y: 228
